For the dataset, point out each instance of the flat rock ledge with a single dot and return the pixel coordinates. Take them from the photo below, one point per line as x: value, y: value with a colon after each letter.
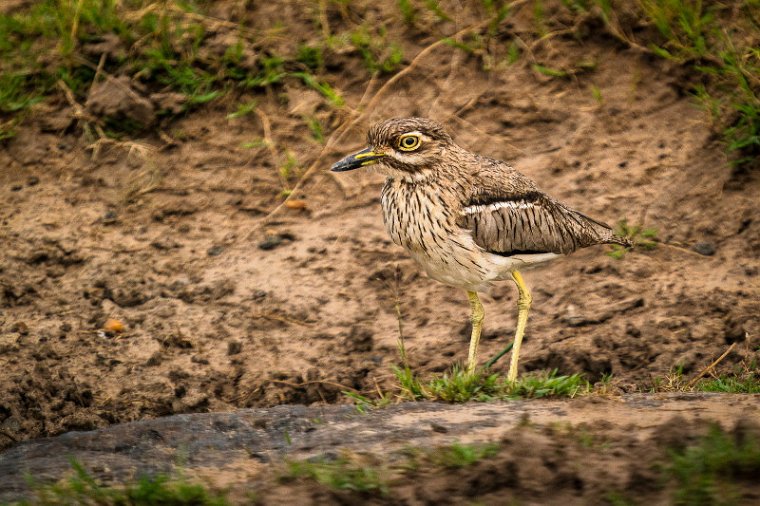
x: 260, y: 437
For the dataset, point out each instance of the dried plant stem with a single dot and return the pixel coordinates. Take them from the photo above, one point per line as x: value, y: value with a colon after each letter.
x: 710, y: 367
x: 75, y: 22
x: 266, y: 125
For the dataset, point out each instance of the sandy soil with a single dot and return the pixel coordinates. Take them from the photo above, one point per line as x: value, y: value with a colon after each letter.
x: 227, y: 306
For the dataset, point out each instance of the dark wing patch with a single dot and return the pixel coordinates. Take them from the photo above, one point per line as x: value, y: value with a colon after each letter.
x: 529, y: 223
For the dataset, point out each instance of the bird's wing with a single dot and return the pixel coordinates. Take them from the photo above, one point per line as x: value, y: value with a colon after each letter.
x: 514, y: 217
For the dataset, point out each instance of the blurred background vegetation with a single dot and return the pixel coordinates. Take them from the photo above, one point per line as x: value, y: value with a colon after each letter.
x: 55, y: 50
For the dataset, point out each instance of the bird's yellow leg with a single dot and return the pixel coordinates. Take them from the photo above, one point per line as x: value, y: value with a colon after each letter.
x: 477, y: 314
x: 523, y: 306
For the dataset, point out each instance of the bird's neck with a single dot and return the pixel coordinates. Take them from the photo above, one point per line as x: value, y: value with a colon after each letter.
x: 425, y: 176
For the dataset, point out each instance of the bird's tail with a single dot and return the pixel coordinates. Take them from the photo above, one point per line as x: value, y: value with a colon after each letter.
x: 605, y: 233
x: 616, y: 239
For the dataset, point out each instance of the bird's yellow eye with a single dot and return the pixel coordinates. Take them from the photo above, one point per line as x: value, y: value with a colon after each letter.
x: 409, y: 142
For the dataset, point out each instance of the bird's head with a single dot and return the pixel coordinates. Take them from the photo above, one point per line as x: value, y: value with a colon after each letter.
x: 408, y: 147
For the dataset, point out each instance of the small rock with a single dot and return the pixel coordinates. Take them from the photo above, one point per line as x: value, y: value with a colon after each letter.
x: 215, y: 251
x: 704, y: 248
x: 296, y: 204
x: 119, y: 98
x: 438, y: 428
x: 164, y: 244
x: 261, y: 457
x: 271, y: 241
x: 21, y: 328
x: 32, y: 181
x: 16, y: 188
x: 109, y: 217
x: 113, y: 326
x: 234, y: 347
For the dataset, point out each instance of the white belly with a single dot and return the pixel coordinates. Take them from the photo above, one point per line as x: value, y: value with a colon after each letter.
x: 471, y: 267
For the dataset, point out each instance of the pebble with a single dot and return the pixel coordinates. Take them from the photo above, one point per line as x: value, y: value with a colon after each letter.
x: 109, y: 217
x: 271, y: 241
x: 704, y: 248
x: 113, y: 326
x: 234, y: 347
x: 21, y: 328
x: 215, y: 251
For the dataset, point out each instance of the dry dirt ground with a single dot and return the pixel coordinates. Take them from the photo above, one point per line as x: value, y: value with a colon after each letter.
x: 227, y: 306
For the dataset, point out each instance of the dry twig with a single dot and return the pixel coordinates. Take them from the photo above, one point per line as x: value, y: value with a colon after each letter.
x: 710, y: 367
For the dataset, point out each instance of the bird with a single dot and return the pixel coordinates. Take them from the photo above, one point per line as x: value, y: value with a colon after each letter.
x: 469, y: 220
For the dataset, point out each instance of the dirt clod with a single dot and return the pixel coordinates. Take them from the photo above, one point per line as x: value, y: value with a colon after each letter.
x: 118, y: 98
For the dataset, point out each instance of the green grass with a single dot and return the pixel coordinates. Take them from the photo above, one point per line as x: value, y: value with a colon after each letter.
x: 549, y: 384
x: 641, y: 237
x: 374, y: 475
x: 434, y: 6
x: 728, y: 58
x: 711, y: 471
x: 744, y: 378
x: 748, y: 383
x: 43, y: 44
x: 243, y: 110
x: 162, y: 48
x: 342, y: 473
x: 550, y: 72
x: 408, y: 12
x: 82, y: 488
x: 458, y: 386
x: 718, y: 42
x: 460, y: 455
x: 380, y: 54
x: 315, y: 127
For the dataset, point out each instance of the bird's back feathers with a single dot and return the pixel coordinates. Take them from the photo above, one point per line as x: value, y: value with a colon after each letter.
x: 509, y: 215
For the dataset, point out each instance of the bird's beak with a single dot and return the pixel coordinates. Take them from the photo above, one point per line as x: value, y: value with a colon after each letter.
x: 361, y: 159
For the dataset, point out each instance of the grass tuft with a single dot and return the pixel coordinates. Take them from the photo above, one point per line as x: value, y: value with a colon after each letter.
x: 458, y: 386
x: 748, y: 383
x: 709, y: 472
x: 82, y: 488
x: 641, y: 237
x: 549, y: 384
x: 744, y: 378
x: 459, y: 455
x: 342, y: 473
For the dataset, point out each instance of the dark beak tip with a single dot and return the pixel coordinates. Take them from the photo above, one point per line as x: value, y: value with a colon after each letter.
x: 355, y: 161
x: 340, y: 167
